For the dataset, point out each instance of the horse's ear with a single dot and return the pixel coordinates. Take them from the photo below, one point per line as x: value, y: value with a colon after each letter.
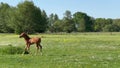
x: 23, y: 32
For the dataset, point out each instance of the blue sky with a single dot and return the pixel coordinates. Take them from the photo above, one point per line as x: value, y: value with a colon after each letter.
x: 94, y: 8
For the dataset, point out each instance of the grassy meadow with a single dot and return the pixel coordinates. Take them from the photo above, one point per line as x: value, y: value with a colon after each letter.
x: 76, y: 50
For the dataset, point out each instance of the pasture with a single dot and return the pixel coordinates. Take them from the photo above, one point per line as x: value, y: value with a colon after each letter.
x: 76, y: 50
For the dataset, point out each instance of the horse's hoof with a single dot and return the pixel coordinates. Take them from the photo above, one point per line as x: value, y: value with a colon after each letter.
x: 26, y: 52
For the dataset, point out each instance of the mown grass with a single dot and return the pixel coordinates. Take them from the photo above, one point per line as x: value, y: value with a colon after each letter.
x: 81, y: 50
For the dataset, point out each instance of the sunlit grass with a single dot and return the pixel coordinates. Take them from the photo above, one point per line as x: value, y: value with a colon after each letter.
x: 86, y: 50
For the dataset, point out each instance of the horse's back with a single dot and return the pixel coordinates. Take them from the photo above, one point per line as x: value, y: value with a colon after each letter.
x: 35, y: 40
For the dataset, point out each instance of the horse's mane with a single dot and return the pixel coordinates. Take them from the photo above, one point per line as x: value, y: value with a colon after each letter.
x: 27, y: 37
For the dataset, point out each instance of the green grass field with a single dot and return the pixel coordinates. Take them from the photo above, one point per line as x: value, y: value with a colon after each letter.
x: 80, y: 50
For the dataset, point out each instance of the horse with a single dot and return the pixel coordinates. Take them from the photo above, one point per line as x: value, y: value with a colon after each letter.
x: 29, y: 41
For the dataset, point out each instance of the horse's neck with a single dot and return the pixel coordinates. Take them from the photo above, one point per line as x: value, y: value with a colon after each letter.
x: 26, y: 38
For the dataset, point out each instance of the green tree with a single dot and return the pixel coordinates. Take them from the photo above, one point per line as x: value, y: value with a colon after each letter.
x: 51, y: 22
x: 111, y: 28
x: 44, y: 21
x: 4, y: 16
x: 56, y: 17
x: 68, y: 26
x: 116, y: 24
x: 67, y: 15
x: 83, y: 22
x: 28, y: 18
x: 102, y: 23
x: 68, y: 23
x: 57, y: 26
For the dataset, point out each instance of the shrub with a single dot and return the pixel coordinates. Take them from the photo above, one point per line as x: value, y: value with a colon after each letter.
x: 11, y: 50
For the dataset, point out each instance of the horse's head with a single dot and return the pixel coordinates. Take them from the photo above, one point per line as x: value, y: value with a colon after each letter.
x: 22, y: 35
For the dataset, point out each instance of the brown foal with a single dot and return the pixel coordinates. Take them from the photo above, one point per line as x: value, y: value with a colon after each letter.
x: 29, y: 41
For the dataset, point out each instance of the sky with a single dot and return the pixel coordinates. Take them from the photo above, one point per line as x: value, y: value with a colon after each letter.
x: 93, y: 8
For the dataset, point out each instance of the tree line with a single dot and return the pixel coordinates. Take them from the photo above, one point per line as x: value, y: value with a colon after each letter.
x: 26, y: 17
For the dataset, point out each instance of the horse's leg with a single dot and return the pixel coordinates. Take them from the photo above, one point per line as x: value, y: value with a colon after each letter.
x: 28, y: 48
x: 39, y: 47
